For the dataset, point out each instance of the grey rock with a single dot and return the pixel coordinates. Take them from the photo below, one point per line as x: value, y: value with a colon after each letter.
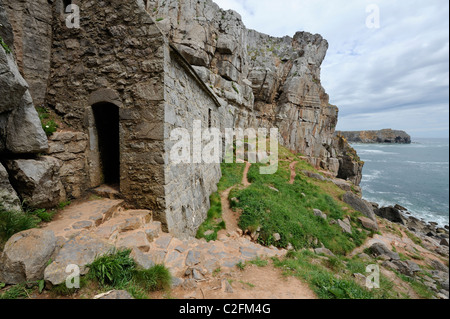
x: 404, y: 268
x: 379, y: 249
x: 81, y: 251
x: 368, y: 223
x: 26, y: 255
x: 359, y: 205
x: 392, y: 214
x: 12, y: 84
x: 227, y: 287
x: 193, y: 258
x: 319, y: 213
x: 445, y: 285
x: 345, y: 226
x: 176, y: 282
x: 444, y: 242
x: 314, y: 175
x: 37, y: 181
x: 8, y: 196
x: 389, y: 265
x: 24, y: 132
x: 324, y: 251
x: 439, y: 266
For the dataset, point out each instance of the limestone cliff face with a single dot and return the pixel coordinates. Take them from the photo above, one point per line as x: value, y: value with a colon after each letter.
x: 264, y: 81
x: 382, y: 136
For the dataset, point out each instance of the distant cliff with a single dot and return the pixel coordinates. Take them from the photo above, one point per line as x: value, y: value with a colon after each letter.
x: 382, y: 136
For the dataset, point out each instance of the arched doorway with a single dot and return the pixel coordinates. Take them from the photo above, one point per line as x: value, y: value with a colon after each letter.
x: 106, y: 116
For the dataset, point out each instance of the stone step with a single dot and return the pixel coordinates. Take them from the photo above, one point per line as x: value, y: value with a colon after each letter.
x: 84, y: 216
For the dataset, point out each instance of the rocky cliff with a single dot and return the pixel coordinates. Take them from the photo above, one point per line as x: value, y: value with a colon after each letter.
x: 382, y: 136
x: 264, y: 81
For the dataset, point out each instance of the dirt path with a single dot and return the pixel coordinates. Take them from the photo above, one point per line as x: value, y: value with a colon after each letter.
x: 252, y: 283
x: 293, y: 173
x: 245, y: 181
x: 231, y: 217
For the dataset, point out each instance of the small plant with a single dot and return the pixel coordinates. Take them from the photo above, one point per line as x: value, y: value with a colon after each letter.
x: 241, y: 266
x: 259, y: 262
x: 114, y: 269
x: 159, y: 19
x: 13, y: 222
x: 154, y: 279
x: 216, y: 272
x: 16, y: 292
x: 118, y: 270
x: 235, y: 88
x: 48, y: 124
x: 5, y: 46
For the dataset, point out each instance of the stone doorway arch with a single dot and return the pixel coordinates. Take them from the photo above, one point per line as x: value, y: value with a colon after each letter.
x: 105, y: 139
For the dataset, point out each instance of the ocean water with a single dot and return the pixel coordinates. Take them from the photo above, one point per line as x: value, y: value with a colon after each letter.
x: 415, y: 176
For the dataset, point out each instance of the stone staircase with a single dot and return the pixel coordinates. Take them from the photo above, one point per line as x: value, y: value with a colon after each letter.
x: 92, y: 228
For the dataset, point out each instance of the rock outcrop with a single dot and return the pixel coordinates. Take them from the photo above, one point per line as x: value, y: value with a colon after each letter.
x: 265, y: 81
x: 383, y: 136
x: 37, y: 181
x: 26, y: 255
x: 8, y: 196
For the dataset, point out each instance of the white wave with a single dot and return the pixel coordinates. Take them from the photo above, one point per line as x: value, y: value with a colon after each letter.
x: 362, y: 152
x: 427, y: 163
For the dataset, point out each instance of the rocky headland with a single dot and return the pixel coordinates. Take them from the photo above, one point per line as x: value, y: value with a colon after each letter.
x: 383, y: 136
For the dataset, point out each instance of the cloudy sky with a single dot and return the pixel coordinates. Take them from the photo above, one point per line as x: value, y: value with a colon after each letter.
x: 395, y: 76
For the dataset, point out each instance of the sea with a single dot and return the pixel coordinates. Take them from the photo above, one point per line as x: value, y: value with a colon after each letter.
x: 415, y: 176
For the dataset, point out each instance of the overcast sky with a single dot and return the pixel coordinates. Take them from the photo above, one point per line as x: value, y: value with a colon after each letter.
x: 395, y: 76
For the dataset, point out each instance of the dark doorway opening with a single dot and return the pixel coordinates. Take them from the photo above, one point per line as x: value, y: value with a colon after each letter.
x: 107, y: 123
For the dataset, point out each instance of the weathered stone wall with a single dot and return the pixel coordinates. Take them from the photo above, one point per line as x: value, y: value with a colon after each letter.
x: 116, y: 57
x: 188, y: 186
x: 70, y: 148
x: 31, y: 22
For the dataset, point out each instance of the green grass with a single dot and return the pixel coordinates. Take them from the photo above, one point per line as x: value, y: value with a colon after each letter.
x: 231, y: 175
x: 119, y: 271
x: 48, y: 124
x: 332, y: 279
x: 16, y: 292
x: 290, y: 214
x: 417, y: 285
x: 416, y: 240
x: 13, y: 222
x: 259, y: 262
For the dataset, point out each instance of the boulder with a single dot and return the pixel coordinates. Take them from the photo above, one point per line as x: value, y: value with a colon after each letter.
x: 24, y: 133
x: 368, y: 223
x: 314, y: 175
x: 12, y: 84
x: 324, y: 251
x: 407, y: 268
x: 359, y: 205
x: 345, y: 226
x: 444, y: 242
x: 319, y: 213
x: 37, y: 181
x: 26, y: 255
x: 20, y: 127
x: 379, y: 249
x: 8, y: 196
x: 81, y: 251
x: 392, y: 214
